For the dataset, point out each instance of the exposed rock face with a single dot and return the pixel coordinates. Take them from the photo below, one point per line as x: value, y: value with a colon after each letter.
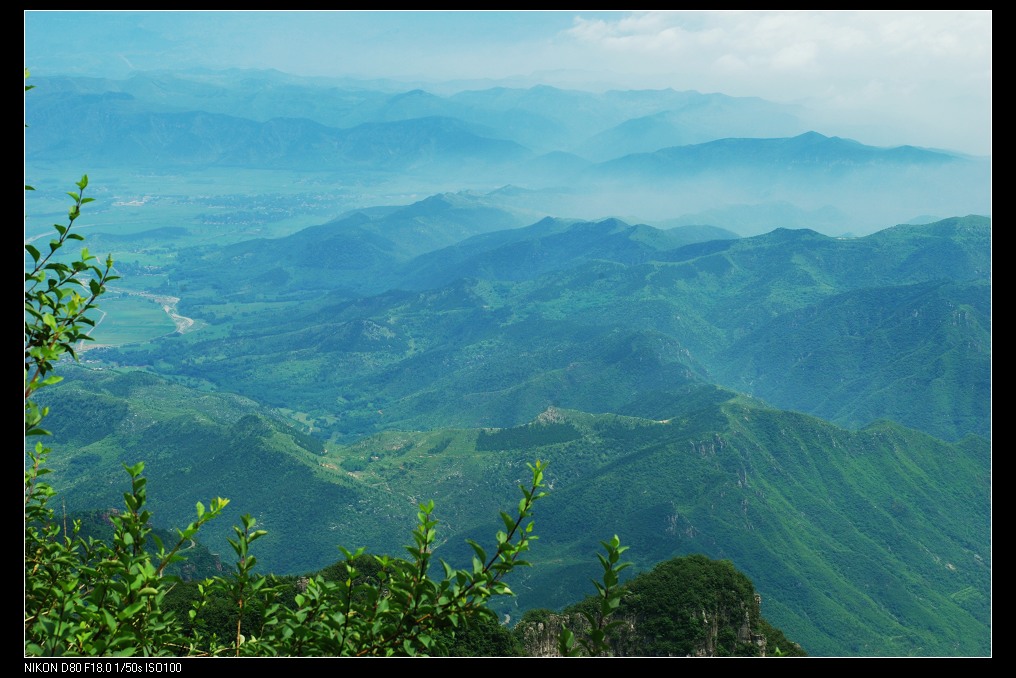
x: 540, y: 639
x: 690, y: 606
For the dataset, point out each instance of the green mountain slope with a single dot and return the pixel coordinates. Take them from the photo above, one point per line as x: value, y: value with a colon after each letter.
x: 847, y: 358
x: 197, y: 446
x: 355, y: 254
x: 875, y: 542
x: 596, y: 316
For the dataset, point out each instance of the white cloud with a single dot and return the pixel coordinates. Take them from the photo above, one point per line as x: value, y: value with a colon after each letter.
x: 828, y: 44
x: 930, y: 69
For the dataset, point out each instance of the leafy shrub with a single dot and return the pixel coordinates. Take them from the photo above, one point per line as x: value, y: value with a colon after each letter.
x: 89, y: 597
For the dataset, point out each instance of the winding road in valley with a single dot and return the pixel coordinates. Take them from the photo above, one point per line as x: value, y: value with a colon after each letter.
x: 182, y: 323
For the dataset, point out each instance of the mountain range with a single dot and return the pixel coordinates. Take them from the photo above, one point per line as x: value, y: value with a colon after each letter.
x: 729, y: 334
x: 609, y: 350
x: 659, y: 154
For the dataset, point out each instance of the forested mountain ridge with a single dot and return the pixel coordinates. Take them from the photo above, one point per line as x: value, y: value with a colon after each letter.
x: 685, y: 607
x: 868, y: 535
x: 812, y: 513
x: 597, y: 315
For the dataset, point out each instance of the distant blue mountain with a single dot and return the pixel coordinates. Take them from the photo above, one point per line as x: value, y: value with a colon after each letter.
x: 703, y: 118
x: 809, y: 152
x: 116, y: 128
x: 651, y: 155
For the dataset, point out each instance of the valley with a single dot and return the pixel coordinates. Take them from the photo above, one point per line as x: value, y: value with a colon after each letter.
x: 726, y: 334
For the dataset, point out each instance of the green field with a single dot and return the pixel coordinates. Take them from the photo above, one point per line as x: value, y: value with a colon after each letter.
x: 131, y: 319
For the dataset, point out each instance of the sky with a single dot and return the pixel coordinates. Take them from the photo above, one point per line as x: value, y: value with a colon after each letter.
x: 885, y: 77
